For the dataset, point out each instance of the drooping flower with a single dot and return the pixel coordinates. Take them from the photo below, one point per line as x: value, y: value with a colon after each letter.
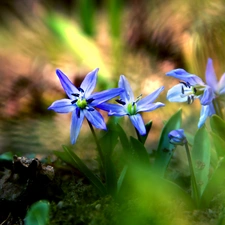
x: 132, y: 107
x: 177, y: 137
x: 210, y: 76
x: 82, y: 102
x: 190, y: 88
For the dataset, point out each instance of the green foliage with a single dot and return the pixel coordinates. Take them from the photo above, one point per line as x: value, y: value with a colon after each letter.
x: 201, y: 158
x: 108, y: 142
x: 218, y: 126
x: 164, y: 150
x: 6, y: 156
x: 82, y: 47
x: 115, y: 12
x: 71, y: 158
x: 86, y: 11
x: 140, y: 153
x: 38, y: 214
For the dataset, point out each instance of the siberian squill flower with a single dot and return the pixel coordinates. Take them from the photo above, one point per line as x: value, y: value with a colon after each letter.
x: 82, y: 102
x: 218, y: 89
x: 210, y: 76
x: 132, y: 107
x: 177, y: 137
x: 190, y: 88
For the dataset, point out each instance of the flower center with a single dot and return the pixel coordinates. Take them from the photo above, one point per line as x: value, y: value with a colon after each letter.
x: 132, y: 108
x: 81, y: 103
x: 191, y: 91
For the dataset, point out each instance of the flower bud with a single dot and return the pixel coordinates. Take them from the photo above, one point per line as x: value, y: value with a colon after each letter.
x: 177, y: 137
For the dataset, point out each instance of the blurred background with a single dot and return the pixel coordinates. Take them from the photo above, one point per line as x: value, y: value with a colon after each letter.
x: 142, y: 39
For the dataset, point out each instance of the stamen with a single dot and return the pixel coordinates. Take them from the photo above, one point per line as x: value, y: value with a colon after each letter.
x: 138, y: 98
x: 80, y: 89
x: 120, y: 101
x: 89, y: 100
x: 188, y: 84
x: 182, y: 89
x: 190, y: 99
x: 195, y: 90
x: 74, y: 101
x: 90, y: 109
x: 183, y: 83
x: 133, y: 103
x: 78, y: 112
x: 76, y: 94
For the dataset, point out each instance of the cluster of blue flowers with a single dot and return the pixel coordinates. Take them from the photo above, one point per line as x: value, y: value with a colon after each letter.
x: 83, y: 103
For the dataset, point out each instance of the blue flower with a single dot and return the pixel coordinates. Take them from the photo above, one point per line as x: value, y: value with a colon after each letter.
x: 190, y: 87
x: 130, y: 106
x: 177, y: 137
x: 82, y: 102
x: 210, y: 76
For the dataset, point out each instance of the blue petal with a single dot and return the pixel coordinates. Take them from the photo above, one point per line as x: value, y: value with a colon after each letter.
x: 206, y: 111
x: 95, y: 118
x: 89, y: 82
x: 207, y: 96
x: 150, y: 107
x: 62, y: 106
x: 138, y: 123
x: 127, y: 95
x: 174, y: 94
x: 221, y: 85
x: 145, y: 102
x: 67, y: 85
x: 182, y: 75
x: 76, y: 125
x: 104, y: 96
x: 113, y: 109
x: 210, y: 75
x: 177, y: 137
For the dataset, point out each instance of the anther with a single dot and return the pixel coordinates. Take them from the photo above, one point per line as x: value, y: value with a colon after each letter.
x: 89, y: 100
x: 76, y: 94
x: 90, y: 109
x: 120, y: 101
x: 80, y: 89
x: 74, y: 101
x: 78, y: 112
x: 183, y: 83
x: 182, y: 89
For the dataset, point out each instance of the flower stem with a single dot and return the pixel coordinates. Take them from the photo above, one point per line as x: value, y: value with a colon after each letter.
x: 193, y: 178
x: 97, y: 143
x: 217, y: 107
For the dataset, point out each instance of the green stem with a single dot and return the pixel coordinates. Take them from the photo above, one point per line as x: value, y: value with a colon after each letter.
x: 97, y: 143
x: 193, y: 179
x: 217, y: 107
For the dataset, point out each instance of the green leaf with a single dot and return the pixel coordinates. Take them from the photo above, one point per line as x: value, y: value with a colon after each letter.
x: 77, y: 163
x: 215, y: 184
x: 218, y: 126
x: 201, y: 158
x: 165, y: 149
x: 148, y: 127
x: 124, y: 140
x: 108, y: 142
x: 84, y: 49
x: 219, y: 144
x: 140, y: 153
x: 6, y: 156
x: 38, y: 214
x: 121, y: 178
